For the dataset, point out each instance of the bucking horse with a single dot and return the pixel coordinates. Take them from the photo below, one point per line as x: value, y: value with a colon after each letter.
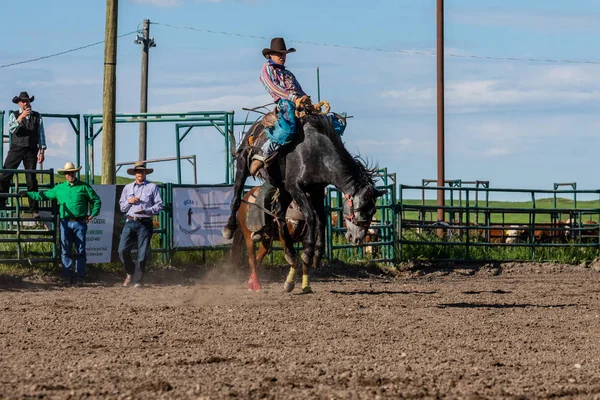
x: 315, y: 159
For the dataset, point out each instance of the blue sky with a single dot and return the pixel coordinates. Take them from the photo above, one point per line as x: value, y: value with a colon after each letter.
x: 518, y: 124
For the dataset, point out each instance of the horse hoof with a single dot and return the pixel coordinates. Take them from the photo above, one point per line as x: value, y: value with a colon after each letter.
x: 289, y: 286
x: 253, y: 283
x: 307, y: 290
x: 227, y: 232
x: 256, y: 285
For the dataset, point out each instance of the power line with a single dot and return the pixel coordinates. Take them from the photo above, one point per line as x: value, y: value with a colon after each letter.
x: 62, y: 52
x: 410, y: 52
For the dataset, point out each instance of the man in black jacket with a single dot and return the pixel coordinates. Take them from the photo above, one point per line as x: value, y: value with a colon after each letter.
x: 28, y: 144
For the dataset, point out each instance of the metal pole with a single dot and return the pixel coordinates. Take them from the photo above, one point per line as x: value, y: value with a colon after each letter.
x: 145, y: 41
x: 318, y: 86
x: 440, y: 107
x: 195, y: 170
x: 109, y: 98
x: 78, y: 152
x: 178, y: 141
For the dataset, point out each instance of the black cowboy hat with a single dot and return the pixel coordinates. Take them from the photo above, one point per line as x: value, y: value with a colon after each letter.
x: 23, y: 96
x: 139, y: 166
x: 277, y: 46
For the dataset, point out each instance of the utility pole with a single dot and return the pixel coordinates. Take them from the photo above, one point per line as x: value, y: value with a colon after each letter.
x: 146, y: 43
x: 109, y: 99
x: 440, y: 109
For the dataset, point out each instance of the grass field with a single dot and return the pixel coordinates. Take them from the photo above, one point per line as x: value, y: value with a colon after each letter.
x: 506, y: 211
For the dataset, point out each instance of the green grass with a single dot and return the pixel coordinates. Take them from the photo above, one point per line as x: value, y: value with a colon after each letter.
x: 508, y: 217
x: 455, y: 249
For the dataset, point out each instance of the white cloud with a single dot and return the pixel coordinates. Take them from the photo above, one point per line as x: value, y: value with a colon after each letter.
x: 223, y: 103
x: 516, y: 88
x: 496, y: 152
x: 60, y: 138
x: 171, y: 3
x: 530, y: 19
x: 159, y: 3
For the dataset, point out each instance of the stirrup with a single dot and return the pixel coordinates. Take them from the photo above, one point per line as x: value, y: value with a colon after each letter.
x: 255, y: 166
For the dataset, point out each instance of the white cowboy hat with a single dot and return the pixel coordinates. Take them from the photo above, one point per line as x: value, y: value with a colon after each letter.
x: 69, y: 167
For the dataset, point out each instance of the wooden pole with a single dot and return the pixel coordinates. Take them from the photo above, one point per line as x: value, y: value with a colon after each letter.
x: 440, y: 108
x: 144, y: 89
x: 109, y: 96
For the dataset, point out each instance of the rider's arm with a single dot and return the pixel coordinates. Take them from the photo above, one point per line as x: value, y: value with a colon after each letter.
x: 278, y: 88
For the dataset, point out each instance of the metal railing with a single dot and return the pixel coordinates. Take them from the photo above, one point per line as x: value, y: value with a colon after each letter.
x: 537, y: 225
x: 25, y: 236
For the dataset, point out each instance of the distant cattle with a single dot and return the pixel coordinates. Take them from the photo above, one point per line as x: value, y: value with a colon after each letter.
x: 516, y: 234
x: 587, y: 231
x: 542, y: 233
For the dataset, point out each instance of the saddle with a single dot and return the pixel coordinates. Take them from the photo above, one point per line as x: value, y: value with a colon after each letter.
x: 257, y: 137
x: 267, y: 199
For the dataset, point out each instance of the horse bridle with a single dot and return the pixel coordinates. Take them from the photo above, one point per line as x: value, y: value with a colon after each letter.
x: 351, y: 217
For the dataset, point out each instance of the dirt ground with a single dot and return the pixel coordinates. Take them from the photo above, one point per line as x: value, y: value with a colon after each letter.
x: 491, y: 331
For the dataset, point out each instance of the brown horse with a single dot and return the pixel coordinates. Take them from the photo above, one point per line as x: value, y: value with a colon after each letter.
x: 295, y: 224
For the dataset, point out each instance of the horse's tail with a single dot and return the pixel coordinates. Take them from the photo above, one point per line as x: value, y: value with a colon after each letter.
x: 233, y: 144
x: 237, y: 248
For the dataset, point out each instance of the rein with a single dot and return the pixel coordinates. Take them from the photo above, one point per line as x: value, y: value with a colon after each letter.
x: 350, y: 217
x: 263, y: 209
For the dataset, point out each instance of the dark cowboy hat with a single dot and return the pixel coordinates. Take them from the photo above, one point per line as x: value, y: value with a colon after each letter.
x: 139, y: 166
x: 277, y: 46
x: 23, y: 96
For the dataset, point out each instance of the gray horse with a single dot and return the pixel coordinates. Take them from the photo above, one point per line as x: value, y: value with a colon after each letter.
x: 316, y: 158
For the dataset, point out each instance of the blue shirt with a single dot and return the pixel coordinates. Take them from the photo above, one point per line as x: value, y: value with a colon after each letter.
x: 13, y: 125
x: 150, y: 200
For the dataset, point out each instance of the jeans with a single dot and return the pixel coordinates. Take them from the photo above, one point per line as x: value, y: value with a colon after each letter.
x: 285, y: 126
x: 73, y: 232
x: 139, y: 231
x: 13, y: 160
x: 339, y: 126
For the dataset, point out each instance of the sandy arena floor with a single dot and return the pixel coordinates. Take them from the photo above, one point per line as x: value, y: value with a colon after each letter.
x: 516, y: 331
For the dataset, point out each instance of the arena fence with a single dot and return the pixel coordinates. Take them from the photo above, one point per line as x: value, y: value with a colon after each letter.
x: 480, y: 224
x: 545, y: 220
x: 24, y: 239
x: 380, y: 245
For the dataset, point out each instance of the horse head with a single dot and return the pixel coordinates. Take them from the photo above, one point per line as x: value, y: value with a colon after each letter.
x: 359, y: 209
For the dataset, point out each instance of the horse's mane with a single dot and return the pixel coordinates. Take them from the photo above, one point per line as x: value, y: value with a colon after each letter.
x: 359, y: 172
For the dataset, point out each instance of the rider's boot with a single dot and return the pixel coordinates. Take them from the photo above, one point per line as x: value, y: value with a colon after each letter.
x: 339, y: 122
x: 258, y: 161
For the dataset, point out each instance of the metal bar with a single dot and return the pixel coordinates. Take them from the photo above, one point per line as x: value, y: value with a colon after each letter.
x: 215, y: 114
x: 178, y: 152
x: 153, y: 160
x: 2, y: 135
x: 226, y: 136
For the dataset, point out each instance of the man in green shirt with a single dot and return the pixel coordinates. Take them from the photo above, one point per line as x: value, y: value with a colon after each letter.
x: 75, y: 198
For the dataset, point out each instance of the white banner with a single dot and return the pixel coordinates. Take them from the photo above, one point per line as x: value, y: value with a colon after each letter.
x: 99, y: 236
x: 199, y: 215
